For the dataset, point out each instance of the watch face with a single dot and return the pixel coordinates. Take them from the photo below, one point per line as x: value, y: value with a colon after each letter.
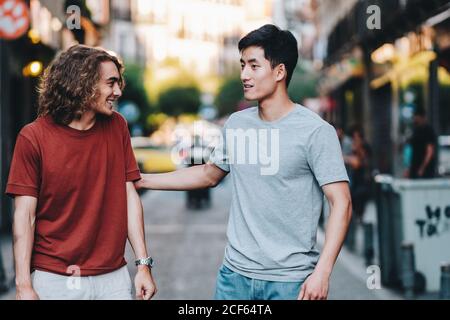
x: 147, y: 261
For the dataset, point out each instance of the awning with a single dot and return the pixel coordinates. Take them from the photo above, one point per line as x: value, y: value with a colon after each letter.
x: 405, y: 69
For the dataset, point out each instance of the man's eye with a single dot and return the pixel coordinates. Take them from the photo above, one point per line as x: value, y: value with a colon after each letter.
x: 254, y: 66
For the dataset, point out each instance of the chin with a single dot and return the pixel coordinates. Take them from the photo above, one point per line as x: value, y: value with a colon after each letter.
x: 250, y: 97
x: 106, y: 112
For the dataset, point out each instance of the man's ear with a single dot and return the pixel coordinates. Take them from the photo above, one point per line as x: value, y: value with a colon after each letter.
x: 281, y: 72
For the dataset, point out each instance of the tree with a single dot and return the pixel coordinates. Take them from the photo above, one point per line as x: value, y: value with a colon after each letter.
x: 229, y: 96
x: 135, y: 92
x: 178, y: 100
x: 303, y: 83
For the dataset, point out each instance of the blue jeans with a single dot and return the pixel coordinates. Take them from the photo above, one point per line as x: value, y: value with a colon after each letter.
x: 233, y: 286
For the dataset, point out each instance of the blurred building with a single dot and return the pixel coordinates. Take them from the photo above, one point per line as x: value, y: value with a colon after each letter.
x: 298, y: 16
x: 22, y: 61
x: 252, y: 15
x: 201, y: 35
x: 377, y: 76
x: 121, y: 36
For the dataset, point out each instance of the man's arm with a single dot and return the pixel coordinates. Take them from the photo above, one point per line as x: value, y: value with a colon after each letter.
x: 338, y: 195
x: 429, y: 153
x: 196, y: 177
x: 23, y: 230
x: 144, y: 283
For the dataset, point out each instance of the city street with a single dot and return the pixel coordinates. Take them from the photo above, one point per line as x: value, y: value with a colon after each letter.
x: 188, y: 247
x: 93, y: 91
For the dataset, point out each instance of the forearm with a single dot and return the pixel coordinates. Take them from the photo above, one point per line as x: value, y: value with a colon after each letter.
x: 192, y: 178
x: 136, y: 231
x: 428, y: 156
x: 23, y: 230
x: 336, y: 229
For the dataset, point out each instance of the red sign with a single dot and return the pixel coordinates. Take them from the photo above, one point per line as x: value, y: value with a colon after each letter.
x: 14, y: 19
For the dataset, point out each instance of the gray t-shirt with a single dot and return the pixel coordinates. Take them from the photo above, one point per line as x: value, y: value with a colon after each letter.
x: 277, y: 170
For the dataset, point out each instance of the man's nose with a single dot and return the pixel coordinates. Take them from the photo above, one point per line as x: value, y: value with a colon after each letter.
x: 244, y: 74
x: 117, y: 91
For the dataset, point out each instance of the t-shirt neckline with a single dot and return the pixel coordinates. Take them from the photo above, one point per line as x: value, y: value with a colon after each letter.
x: 286, y: 116
x: 75, y: 132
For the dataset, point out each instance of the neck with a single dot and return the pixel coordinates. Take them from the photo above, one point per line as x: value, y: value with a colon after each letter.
x: 275, y: 106
x: 86, y: 121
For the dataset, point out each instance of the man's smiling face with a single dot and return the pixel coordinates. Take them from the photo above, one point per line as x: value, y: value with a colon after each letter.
x: 108, y: 88
x: 257, y: 75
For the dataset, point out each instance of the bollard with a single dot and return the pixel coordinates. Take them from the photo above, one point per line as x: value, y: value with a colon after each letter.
x: 368, y: 243
x: 445, y: 282
x: 408, y: 270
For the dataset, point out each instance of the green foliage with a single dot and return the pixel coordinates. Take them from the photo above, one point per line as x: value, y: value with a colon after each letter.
x: 155, y: 120
x: 303, y: 84
x: 178, y: 100
x: 135, y: 91
x: 229, y: 96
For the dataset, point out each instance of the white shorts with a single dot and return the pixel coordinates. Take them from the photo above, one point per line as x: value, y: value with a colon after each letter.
x: 115, y: 285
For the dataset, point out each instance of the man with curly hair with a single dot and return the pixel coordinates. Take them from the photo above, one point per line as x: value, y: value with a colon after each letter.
x: 72, y: 178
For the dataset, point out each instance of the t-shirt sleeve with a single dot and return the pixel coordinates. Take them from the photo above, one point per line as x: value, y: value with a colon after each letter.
x: 131, y: 167
x: 219, y: 155
x: 430, y: 136
x: 24, y: 174
x: 325, y: 156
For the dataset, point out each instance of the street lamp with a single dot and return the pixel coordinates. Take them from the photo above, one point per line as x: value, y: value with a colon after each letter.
x: 33, y: 69
x: 34, y: 36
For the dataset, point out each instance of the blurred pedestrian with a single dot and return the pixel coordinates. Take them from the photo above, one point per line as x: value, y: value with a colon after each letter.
x: 72, y: 179
x: 344, y: 139
x: 423, y: 143
x: 276, y: 201
x: 198, y: 154
x: 346, y: 145
x: 360, y: 163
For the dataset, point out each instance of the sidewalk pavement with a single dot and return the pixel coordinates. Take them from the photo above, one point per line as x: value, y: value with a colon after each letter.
x: 7, y: 255
x: 348, y: 282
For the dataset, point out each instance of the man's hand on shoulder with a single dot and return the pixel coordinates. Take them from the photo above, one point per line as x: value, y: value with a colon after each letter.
x: 140, y: 184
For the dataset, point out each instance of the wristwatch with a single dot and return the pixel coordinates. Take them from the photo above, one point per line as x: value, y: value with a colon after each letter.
x: 146, y: 261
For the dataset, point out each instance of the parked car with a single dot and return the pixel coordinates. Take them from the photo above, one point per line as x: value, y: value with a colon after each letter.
x: 152, y: 158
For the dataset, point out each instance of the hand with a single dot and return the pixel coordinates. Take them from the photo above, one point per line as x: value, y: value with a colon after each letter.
x: 315, y: 287
x: 26, y: 293
x: 406, y: 174
x: 144, y: 284
x: 139, y: 184
x: 421, y: 172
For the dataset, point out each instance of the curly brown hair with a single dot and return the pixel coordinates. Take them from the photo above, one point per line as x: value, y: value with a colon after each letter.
x: 68, y: 86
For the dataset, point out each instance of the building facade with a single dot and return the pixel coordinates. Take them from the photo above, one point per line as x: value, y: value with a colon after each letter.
x: 376, y: 76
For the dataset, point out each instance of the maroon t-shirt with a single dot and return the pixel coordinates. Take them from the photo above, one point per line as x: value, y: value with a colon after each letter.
x: 79, y: 178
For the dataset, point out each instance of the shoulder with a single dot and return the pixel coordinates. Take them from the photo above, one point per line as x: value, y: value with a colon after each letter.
x: 430, y: 130
x: 311, y: 117
x: 117, y: 117
x: 311, y: 123
x: 117, y: 120
x: 34, y: 133
x: 247, y: 113
x: 35, y: 129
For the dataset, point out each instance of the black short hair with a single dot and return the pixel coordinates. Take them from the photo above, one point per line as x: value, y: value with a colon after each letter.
x: 280, y: 46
